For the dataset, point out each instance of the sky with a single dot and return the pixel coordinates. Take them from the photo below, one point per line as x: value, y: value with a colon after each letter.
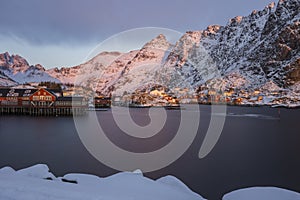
x: 58, y: 33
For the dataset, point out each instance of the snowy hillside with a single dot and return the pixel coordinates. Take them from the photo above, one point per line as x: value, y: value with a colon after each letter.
x: 104, y: 79
x: 6, y: 81
x: 141, y: 70
x: 84, y: 71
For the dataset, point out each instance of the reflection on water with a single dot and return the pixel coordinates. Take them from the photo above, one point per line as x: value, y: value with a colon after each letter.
x: 259, y: 116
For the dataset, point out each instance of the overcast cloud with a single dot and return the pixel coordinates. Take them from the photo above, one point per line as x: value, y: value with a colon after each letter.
x: 56, y: 27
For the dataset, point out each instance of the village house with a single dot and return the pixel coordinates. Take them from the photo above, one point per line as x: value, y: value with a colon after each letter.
x: 102, y: 102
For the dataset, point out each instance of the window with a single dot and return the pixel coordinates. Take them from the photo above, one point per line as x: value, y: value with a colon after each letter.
x: 25, y: 102
x: 48, y: 98
x: 35, y: 98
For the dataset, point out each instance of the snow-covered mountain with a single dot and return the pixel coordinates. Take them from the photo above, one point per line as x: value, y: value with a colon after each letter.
x: 261, y: 47
x: 246, y: 53
x: 256, y: 51
x: 18, y: 70
x: 84, y: 71
x: 119, y: 72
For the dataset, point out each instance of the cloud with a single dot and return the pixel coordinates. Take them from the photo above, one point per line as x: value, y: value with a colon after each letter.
x: 58, y: 32
x: 66, y: 21
x: 50, y: 55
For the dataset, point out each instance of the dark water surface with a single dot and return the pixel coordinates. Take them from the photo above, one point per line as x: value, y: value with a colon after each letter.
x: 256, y: 148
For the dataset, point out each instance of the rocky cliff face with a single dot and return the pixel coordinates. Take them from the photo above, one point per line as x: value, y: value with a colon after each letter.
x: 260, y: 47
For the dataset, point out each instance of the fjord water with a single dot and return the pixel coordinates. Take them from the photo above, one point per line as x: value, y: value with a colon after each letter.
x: 257, y: 147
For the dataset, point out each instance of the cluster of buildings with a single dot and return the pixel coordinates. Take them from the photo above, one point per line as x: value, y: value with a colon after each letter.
x: 41, y: 101
x: 55, y: 102
x: 231, y: 96
x: 156, y: 97
x: 254, y: 97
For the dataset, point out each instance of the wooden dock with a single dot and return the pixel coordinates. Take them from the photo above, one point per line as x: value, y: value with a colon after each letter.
x: 32, y: 111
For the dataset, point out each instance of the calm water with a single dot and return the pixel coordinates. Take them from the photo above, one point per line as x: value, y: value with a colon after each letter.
x: 255, y: 148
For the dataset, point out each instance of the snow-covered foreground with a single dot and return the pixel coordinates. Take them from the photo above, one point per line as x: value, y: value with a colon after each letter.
x: 262, y: 193
x: 32, y: 183
x: 38, y: 183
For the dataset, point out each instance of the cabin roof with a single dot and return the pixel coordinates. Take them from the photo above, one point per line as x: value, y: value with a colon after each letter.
x: 10, y: 92
x: 47, y: 90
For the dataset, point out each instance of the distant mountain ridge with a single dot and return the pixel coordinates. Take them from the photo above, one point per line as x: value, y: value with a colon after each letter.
x: 257, y: 51
x: 18, y: 70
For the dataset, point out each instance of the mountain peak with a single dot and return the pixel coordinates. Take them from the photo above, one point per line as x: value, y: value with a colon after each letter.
x: 13, y: 61
x: 271, y: 5
x: 6, y: 54
x: 4, y: 59
x: 19, y: 60
x: 236, y: 20
x: 213, y: 28
x: 39, y: 67
x: 159, y: 42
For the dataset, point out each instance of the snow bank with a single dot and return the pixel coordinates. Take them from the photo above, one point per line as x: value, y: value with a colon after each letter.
x: 37, y: 171
x: 262, y: 193
x: 35, y: 183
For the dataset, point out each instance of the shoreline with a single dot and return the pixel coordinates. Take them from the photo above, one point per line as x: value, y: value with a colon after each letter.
x: 179, y: 107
